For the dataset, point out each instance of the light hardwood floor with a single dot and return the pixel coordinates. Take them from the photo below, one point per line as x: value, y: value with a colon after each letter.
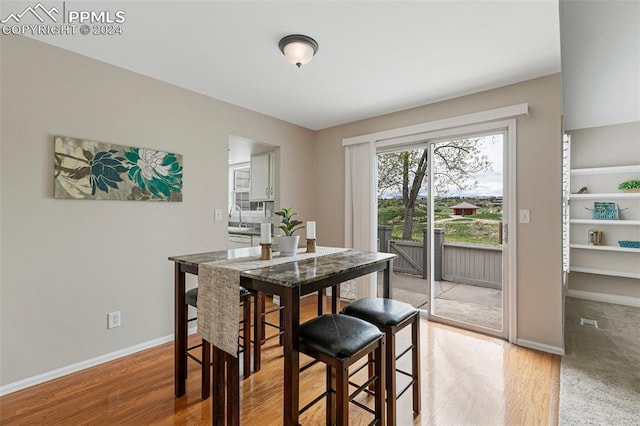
x: 467, y: 379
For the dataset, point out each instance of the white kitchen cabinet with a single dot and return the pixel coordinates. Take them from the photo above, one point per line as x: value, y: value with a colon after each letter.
x: 262, y: 177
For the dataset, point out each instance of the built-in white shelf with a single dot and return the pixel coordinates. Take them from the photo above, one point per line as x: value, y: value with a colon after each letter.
x: 609, y: 272
x: 604, y: 248
x: 605, y: 222
x: 606, y: 196
x: 606, y: 170
x: 596, y: 176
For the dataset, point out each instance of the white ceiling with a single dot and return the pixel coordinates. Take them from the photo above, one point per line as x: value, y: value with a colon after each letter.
x: 374, y: 57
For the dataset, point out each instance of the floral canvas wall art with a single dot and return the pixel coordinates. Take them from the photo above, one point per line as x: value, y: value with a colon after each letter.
x: 93, y: 170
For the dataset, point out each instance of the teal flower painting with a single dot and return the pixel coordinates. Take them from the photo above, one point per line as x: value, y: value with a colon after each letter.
x: 86, y: 169
x: 105, y: 171
x: 158, y: 172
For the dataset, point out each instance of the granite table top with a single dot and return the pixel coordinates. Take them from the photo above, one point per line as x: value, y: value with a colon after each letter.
x: 293, y: 273
x: 304, y: 271
x: 194, y: 260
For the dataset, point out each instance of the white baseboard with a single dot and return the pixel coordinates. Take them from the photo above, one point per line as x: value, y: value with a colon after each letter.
x: 604, y: 297
x: 540, y: 346
x: 82, y: 365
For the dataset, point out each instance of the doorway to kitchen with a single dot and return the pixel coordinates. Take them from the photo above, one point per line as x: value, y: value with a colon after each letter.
x: 253, y: 191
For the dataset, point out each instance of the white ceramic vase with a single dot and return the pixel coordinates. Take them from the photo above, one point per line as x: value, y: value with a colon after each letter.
x: 288, y: 245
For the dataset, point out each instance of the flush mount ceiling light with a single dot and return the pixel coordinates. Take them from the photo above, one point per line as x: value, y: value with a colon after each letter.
x: 298, y: 49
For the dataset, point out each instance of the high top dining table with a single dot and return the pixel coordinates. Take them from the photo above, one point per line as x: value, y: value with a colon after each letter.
x: 291, y: 280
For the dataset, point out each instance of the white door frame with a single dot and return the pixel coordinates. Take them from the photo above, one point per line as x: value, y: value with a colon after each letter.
x: 495, y: 119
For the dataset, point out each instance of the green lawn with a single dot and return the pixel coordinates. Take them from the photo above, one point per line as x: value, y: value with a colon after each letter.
x: 470, y: 229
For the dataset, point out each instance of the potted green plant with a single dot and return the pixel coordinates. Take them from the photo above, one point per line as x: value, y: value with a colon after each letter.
x: 630, y: 186
x: 288, y: 242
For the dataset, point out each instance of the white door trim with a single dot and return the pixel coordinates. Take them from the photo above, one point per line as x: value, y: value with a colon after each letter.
x: 446, y: 123
x: 510, y: 259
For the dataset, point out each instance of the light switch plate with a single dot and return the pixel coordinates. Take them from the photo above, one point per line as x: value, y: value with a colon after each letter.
x: 524, y: 216
x: 218, y: 215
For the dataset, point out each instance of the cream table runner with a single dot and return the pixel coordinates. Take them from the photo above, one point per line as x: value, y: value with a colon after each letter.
x: 219, y: 295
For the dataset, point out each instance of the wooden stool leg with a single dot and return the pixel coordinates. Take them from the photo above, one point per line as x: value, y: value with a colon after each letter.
x: 379, y: 385
x: 330, y: 416
x: 206, y: 369
x: 258, y: 330
x: 390, y: 378
x: 281, y: 325
x: 371, y: 369
x: 262, y: 309
x: 415, y: 363
x: 342, y: 394
x: 246, y: 336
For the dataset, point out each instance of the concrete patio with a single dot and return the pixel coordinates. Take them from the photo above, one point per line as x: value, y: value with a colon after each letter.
x: 461, y: 302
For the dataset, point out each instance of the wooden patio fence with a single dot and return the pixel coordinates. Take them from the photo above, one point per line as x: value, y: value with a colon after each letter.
x: 472, y: 264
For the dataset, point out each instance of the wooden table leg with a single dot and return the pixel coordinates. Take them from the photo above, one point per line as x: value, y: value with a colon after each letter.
x: 206, y: 369
x: 233, y: 390
x: 291, y: 397
x: 225, y: 401
x: 218, y: 388
x: 335, y: 296
x: 387, y: 277
x: 180, y: 333
x: 321, y: 302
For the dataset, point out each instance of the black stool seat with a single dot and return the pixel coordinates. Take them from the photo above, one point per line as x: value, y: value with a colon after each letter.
x: 379, y: 311
x: 191, y: 296
x: 338, y: 336
x: 391, y: 317
x: 339, y: 341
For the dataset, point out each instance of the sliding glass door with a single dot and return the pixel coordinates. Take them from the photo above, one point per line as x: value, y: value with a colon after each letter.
x: 466, y: 231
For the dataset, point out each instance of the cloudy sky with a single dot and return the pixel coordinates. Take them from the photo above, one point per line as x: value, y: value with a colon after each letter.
x: 489, y: 183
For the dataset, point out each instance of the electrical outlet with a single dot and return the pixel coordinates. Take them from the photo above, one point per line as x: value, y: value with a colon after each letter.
x: 113, y: 319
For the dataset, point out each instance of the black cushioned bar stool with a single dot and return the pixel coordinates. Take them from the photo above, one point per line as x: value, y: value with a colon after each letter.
x: 339, y: 341
x: 391, y: 316
x: 191, y: 299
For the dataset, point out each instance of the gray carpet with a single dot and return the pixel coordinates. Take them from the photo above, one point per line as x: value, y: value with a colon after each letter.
x: 600, y: 373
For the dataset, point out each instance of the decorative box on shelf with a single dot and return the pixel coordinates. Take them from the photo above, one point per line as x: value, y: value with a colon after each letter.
x: 629, y: 244
x: 605, y: 211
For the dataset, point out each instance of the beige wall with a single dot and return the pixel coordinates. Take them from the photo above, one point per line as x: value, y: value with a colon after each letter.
x: 66, y: 263
x: 539, y: 283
